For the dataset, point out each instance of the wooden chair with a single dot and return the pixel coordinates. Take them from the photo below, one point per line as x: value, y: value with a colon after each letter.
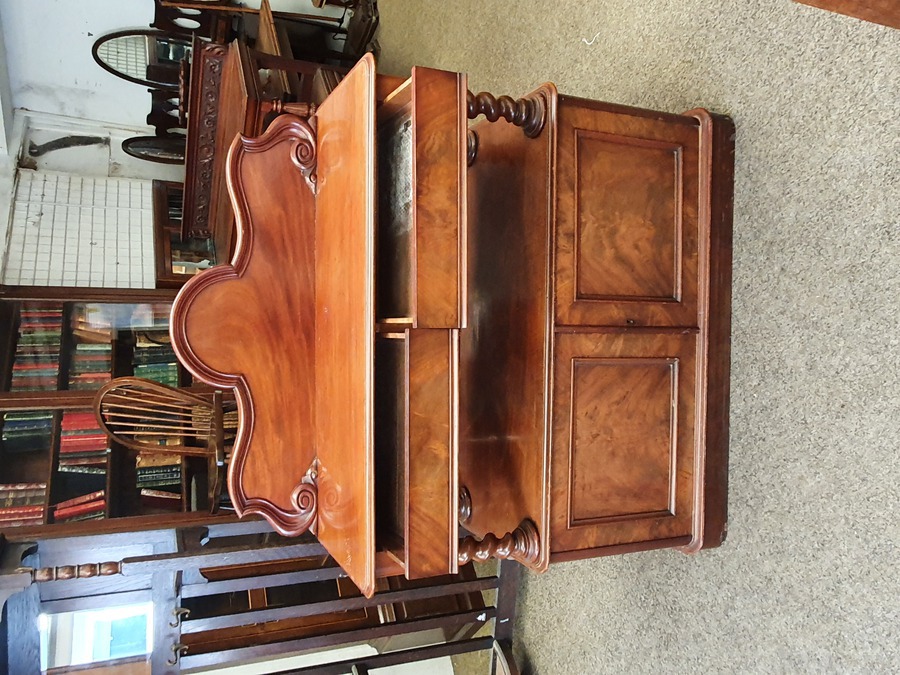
x: 150, y: 417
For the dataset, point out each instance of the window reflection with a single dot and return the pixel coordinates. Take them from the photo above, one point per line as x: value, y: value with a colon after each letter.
x: 95, y: 635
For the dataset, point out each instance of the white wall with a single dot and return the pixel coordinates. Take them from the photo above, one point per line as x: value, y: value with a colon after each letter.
x: 48, y: 54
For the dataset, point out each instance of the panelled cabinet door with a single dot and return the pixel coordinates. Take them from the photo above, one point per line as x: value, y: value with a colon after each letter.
x: 624, y: 441
x: 627, y: 216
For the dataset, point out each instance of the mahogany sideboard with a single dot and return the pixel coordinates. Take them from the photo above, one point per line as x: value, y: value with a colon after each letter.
x: 521, y: 326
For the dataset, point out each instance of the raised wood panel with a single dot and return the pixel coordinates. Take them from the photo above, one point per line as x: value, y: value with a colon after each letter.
x: 624, y: 439
x: 627, y: 217
x: 345, y: 323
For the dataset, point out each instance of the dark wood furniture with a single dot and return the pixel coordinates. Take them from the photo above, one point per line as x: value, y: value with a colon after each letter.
x: 54, y: 455
x: 235, y: 592
x: 226, y: 98
x: 177, y: 259
x: 535, y: 347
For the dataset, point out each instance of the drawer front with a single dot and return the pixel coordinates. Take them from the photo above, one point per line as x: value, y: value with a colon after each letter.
x: 624, y: 437
x: 627, y: 217
x: 416, y: 403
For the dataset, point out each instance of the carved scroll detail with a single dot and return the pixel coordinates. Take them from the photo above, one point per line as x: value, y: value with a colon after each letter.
x: 66, y: 572
x: 529, y: 112
x: 305, y: 497
x: 522, y: 544
x: 287, y: 127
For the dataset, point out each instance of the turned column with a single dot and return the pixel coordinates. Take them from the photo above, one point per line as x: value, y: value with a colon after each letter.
x: 522, y: 544
x: 528, y: 112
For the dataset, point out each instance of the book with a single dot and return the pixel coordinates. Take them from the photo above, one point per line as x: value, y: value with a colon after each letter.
x: 22, y: 494
x: 23, y: 522
x: 79, y: 468
x: 79, y: 509
x: 161, y: 499
x: 83, y: 499
x: 79, y: 420
x: 18, y: 512
x: 97, y: 460
x: 80, y: 442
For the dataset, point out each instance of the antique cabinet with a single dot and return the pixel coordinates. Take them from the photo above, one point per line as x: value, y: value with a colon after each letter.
x: 520, y: 326
x: 604, y: 245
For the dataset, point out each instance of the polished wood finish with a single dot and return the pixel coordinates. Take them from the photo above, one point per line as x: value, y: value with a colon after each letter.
x: 345, y: 321
x: 504, y: 390
x: 885, y: 12
x: 627, y: 229
x: 432, y: 453
x: 624, y: 438
x: 717, y: 134
x: 534, y: 348
x: 439, y: 197
x: 260, y: 306
x: 529, y: 112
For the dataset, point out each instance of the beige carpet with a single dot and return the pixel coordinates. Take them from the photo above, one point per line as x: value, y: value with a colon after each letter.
x: 809, y: 579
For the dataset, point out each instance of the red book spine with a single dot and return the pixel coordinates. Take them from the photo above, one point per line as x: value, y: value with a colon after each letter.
x: 82, y: 439
x: 25, y: 522
x: 78, y: 421
x: 83, y: 499
x: 88, y: 507
x: 17, y: 512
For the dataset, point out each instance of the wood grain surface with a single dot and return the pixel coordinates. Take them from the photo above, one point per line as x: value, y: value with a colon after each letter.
x: 249, y: 325
x: 624, y: 438
x: 439, y: 197
x: 626, y: 237
x: 885, y: 12
x: 504, y: 352
x: 345, y: 323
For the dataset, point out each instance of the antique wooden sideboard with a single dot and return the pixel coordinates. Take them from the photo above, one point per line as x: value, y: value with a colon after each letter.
x: 520, y: 326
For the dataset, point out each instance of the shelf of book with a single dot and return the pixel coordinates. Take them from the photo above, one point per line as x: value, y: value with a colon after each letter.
x: 57, y: 467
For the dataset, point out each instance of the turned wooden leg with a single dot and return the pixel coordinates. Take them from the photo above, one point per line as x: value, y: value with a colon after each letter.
x: 522, y: 544
x: 529, y: 112
x: 83, y: 571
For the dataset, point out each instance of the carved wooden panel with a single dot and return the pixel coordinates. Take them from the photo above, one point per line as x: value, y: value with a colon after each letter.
x: 625, y: 441
x: 203, y: 106
x: 627, y: 217
x: 249, y: 325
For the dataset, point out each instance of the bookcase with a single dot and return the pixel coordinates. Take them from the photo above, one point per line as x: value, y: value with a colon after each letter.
x: 57, y: 467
